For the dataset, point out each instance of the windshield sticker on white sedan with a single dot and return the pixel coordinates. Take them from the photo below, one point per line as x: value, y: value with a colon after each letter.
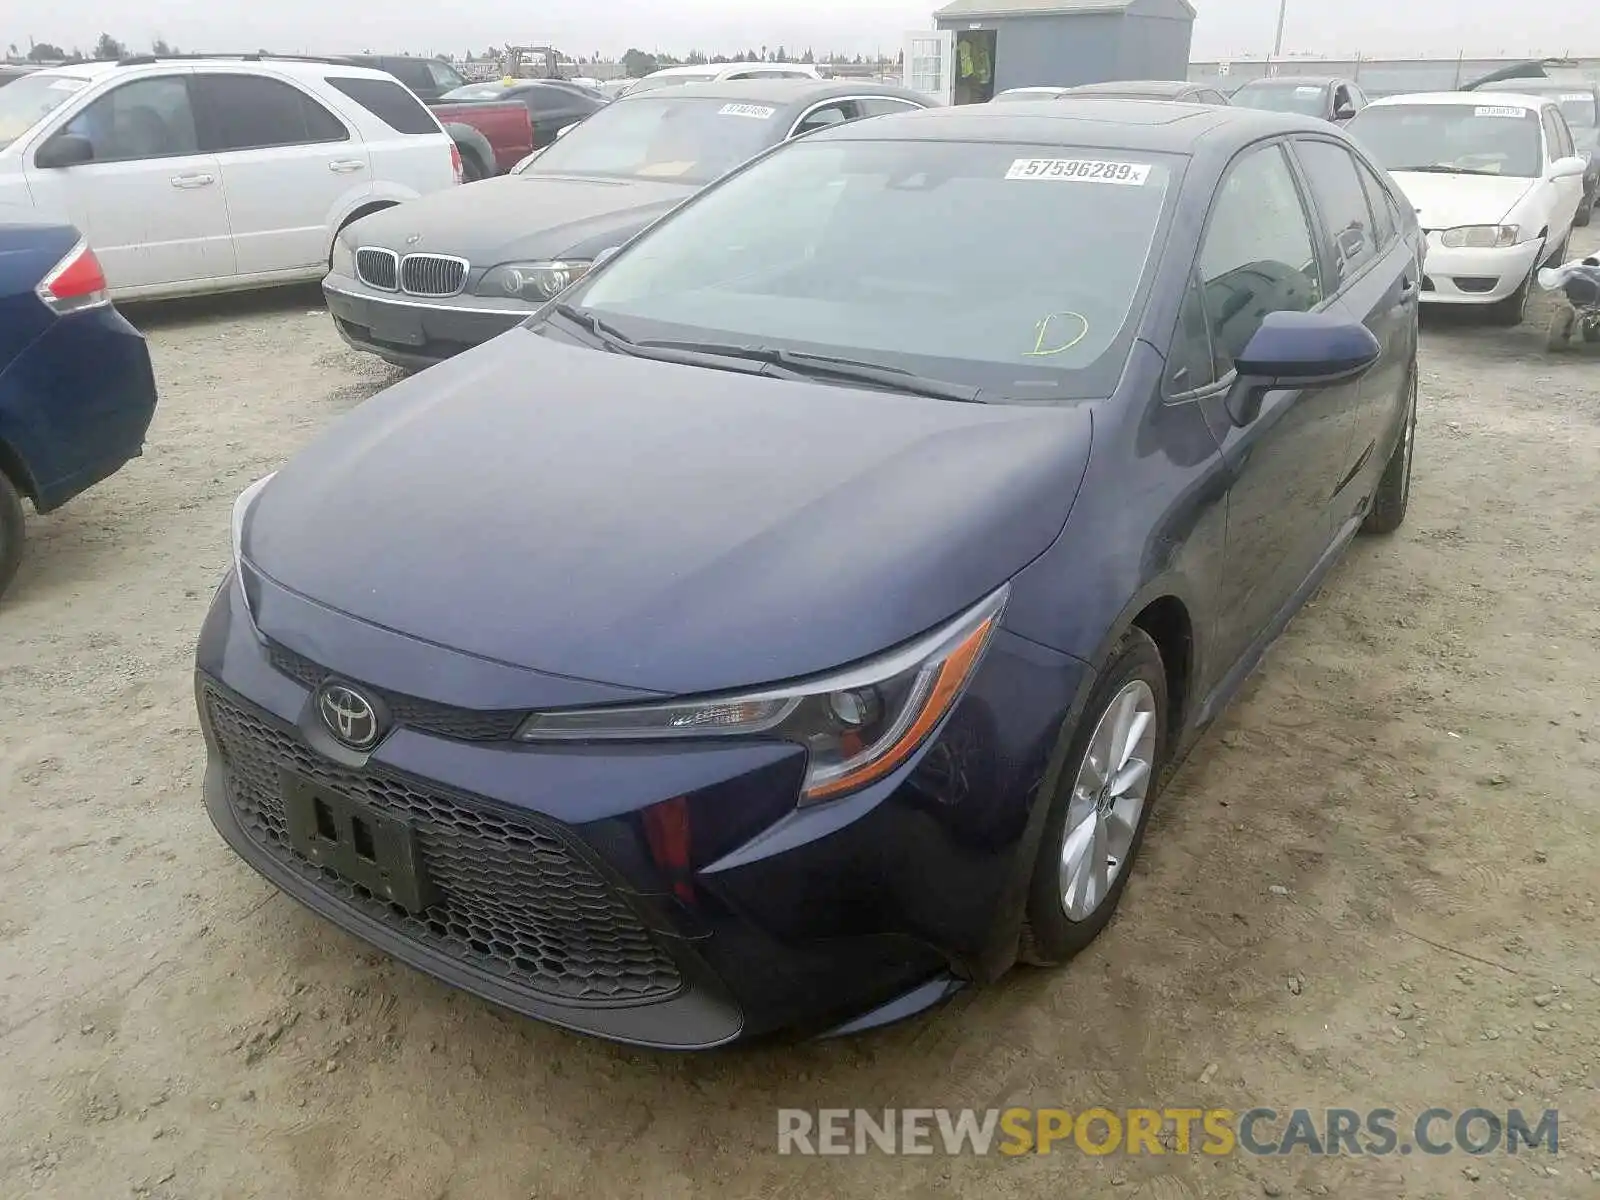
x: 759, y: 111
x: 1569, y: 97
x: 1312, y: 90
x: 1498, y: 110
x: 1080, y: 170
x: 68, y: 85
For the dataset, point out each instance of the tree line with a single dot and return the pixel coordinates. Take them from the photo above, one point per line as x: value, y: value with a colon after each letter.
x: 107, y: 47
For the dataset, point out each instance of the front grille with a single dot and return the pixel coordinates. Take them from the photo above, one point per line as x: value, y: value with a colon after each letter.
x: 378, y: 268
x: 432, y: 274
x: 426, y: 716
x: 515, y: 898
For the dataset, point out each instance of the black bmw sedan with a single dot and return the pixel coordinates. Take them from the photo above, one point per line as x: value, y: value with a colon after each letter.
x: 793, y: 621
x: 421, y: 281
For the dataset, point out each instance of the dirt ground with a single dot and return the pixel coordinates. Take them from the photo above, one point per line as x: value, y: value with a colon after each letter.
x: 1373, y: 885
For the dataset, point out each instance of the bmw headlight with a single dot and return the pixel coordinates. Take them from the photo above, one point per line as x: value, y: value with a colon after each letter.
x: 343, y: 259
x: 858, y: 725
x: 534, y: 282
x: 1481, y: 237
x: 241, y: 510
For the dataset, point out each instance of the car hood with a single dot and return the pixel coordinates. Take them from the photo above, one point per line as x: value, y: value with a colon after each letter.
x: 521, y: 217
x: 1445, y: 201
x: 654, y: 526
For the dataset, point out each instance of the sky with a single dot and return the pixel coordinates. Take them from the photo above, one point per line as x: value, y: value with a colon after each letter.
x: 1224, y: 28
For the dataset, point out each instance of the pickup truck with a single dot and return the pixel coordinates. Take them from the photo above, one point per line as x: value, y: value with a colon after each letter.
x: 492, y: 135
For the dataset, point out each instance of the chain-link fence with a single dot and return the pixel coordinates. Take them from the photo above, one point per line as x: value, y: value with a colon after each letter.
x: 1377, y: 76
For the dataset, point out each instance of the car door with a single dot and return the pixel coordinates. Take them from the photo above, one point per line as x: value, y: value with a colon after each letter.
x: 1258, y: 255
x: 1568, y: 191
x: 151, y: 200
x: 287, y: 165
x: 1375, y: 279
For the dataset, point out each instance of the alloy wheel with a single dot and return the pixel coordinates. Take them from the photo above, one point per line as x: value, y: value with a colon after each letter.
x: 1108, y: 799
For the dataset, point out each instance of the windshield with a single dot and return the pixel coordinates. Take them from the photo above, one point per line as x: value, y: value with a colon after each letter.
x: 651, y: 83
x: 845, y: 248
x: 1472, y: 139
x: 1577, y: 107
x: 1303, y: 98
x: 26, y: 101
x: 477, y: 91
x: 690, y: 139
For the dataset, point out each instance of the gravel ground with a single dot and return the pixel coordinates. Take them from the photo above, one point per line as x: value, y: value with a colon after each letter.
x: 1373, y: 885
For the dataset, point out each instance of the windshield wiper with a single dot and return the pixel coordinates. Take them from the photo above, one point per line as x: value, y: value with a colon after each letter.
x: 1442, y: 169
x: 605, y: 332
x: 802, y: 363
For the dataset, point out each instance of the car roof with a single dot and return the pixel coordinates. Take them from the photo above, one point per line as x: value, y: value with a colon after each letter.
x: 1133, y: 87
x: 1297, y: 80
x: 1507, y: 99
x: 294, y: 68
x: 780, y: 92
x: 1541, y: 87
x: 1156, y: 126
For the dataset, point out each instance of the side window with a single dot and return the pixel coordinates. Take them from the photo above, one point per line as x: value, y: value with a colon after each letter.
x: 1384, y: 217
x: 546, y: 99
x: 389, y: 102
x: 444, y: 76
x: 1258, y: 256
x: 1191, y: 362
x: 878, y: 106
x: 1358, y: 96
x: 249, y: 112
x: 148, y: 118
x: 836, y: 113
x: 412, y: 72
x: 1556, y: 133
x: 1343, y: 204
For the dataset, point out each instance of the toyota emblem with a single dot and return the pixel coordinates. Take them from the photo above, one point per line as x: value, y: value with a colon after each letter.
x: 349, y: 716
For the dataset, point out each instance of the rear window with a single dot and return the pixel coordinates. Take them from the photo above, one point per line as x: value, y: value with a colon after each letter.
x: 28, y: 100
x: 690, y: 139
x: 1577, y: 103
x: 389, y: 102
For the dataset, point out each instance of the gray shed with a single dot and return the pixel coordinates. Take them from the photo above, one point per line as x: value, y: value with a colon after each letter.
x: 1032, y: 43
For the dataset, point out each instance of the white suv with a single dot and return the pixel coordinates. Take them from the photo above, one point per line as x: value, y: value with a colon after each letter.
x: 213, y: 174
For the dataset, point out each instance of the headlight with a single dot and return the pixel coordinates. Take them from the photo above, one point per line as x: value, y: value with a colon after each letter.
x: 343, y: 259
x: 1481, y: 237
x: 535, y: 282
x: 241, y: 509
x: 858, y: 725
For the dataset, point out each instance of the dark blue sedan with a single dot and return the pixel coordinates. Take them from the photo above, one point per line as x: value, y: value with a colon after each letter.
x: 76, y: 389
x: 794, y: 620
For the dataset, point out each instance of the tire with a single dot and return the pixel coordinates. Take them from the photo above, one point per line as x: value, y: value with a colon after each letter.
x: 1050, y: 933
x: 11, y: 531
x: 1585, y: 212
x: 1511, y: 311
x: 1393, y: 497
x: 471, y: 169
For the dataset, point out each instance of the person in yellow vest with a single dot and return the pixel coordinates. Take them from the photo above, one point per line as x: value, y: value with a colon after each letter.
x: 974, y: 73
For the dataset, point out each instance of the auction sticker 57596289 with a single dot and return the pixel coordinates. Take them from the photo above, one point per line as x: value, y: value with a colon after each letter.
x: 1080, y: 170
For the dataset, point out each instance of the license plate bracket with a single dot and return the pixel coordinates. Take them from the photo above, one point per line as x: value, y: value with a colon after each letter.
x: 396, y: 326
x: 365, y: 847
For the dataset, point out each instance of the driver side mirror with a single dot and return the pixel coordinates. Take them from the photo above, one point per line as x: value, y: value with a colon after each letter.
x: 64, y: 150
x: 1566, y: 168
x: 1345, y: 111
x: 605, y: 254
x: 1298, y: 350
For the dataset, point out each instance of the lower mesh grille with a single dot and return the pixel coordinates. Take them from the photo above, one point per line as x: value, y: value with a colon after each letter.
x: 513, y: 898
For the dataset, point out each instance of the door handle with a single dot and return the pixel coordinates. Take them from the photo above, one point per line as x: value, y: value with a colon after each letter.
x: 193, y: 181
x: 1408, y: 291
x: 344, y: 166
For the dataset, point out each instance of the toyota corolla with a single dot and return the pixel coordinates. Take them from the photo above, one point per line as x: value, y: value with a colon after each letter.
x: 793, y: 622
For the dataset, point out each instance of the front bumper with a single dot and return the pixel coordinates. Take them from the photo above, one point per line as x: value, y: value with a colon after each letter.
x: 411, y: 332
x: 1469, y: 276
x: 551, y: 895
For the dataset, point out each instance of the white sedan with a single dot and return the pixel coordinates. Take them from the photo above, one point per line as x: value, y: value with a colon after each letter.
x: 1496, y: 182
